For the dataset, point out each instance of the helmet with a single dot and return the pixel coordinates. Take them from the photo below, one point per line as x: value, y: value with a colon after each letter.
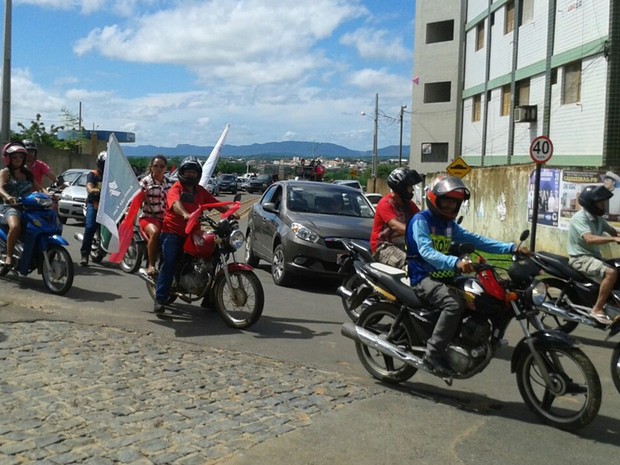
x: 101, y: 158
x: 400, y: 179
x: 30, y: 146
x: 190, y: 163
x: 449, y: 187
x: 13, y: 147
x: 590, y: 195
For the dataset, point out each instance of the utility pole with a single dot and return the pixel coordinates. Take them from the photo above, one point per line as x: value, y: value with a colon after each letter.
x: 374, y: 146
x: 5, y: 127
x: 400, y: 146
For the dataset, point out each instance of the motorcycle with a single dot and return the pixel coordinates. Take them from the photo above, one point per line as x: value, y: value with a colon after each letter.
x: 41, y: 246
x: 571, y: 296
x: 208, y: 269
x: 556, y: 380
x: 356, y: 251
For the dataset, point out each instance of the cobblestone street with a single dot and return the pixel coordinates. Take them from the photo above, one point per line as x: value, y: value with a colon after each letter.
x: 73, y: 393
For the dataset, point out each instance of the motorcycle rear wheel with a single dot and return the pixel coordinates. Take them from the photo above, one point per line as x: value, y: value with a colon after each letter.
x: 579, y: 398
x: 134, y: 256
x: 615, y: 367
x: 242, y: 307
x: 58, y: 276
x: 378, y: 318
x: 554, y: 288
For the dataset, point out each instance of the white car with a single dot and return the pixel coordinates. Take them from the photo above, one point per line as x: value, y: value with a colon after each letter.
x: 350, y: 183
x: 73, y: 199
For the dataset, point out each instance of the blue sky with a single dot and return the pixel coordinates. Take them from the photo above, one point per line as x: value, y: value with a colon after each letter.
x: 176, y: 72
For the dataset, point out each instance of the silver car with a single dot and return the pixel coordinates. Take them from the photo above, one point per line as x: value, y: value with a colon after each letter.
x: 296, y: 226
x: 73, y: 198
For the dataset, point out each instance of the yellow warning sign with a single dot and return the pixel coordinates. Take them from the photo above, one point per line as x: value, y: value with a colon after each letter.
x: 458, y: 168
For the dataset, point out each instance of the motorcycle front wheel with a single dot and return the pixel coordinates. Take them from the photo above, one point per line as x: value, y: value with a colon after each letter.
x: 57, y: 271
x: 558, y: 296
x: 575, y: 398
x: 378, y: 319
x: 615, y: 367
x: 241, y: 306
x: 135, y: 255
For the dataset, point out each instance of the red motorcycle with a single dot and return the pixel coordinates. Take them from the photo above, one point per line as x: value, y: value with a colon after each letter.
x: 208, y: 269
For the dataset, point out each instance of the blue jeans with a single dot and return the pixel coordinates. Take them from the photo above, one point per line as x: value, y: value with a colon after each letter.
x: 171, y: 249
x: 90, y: 227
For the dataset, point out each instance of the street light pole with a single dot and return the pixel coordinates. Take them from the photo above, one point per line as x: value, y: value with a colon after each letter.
x: 5, y: 126
x: 374, y: 146
x: 400, y: 146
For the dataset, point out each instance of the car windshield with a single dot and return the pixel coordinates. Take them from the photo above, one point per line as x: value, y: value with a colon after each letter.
x: 317, y: 199
x: 227, y: 177
x: 262, y: 178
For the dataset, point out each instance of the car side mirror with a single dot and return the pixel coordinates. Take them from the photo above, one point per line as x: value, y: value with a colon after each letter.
x: 270, y: 207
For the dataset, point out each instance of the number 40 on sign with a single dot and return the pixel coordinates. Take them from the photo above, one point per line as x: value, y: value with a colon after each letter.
x: 541, y: 149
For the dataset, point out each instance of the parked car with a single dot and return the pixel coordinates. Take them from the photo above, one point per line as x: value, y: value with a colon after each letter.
x: 349, y: 182
x: 296, y: 227
x: 246, y: 182
x: 227, y: 183
x: 213, y: 186
x: 260, y: 183
x: 73, y: 197
x: 374, y: 198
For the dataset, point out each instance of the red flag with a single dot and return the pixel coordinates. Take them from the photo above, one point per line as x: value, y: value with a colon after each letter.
x: 125, y: 231
x: 416, y: 80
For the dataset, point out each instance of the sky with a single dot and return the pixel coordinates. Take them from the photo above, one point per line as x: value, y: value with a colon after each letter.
x: 176, y: 72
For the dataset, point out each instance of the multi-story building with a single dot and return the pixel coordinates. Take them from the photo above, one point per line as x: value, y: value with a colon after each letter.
x: 491, y: 75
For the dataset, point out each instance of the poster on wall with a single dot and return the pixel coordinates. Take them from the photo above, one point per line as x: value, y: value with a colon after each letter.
x: 548, y: 199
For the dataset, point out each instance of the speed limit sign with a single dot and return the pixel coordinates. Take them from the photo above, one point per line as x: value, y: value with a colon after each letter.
x: 541, y: 149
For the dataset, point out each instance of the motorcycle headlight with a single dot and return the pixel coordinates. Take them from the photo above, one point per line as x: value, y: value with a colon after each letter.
x: 236, y: 239
x: 304, y: 233
x: 537, y: 293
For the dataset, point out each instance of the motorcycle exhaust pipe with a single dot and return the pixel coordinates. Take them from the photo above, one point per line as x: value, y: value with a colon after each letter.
x: 554, y: 310
x: 374, y: 341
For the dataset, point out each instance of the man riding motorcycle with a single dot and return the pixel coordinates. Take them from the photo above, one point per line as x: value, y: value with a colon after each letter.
x: 429, y: 235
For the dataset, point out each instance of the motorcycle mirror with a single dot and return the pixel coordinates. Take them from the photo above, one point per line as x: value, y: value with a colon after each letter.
x: 237, y: 198
x: 459, y: 220
x: 524, y: 235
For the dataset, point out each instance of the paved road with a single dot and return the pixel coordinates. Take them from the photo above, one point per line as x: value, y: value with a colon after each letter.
x: 94, y: 378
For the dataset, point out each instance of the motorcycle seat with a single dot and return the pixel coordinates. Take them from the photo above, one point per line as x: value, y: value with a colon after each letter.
x: 395, y: 281
x: 557, y: 265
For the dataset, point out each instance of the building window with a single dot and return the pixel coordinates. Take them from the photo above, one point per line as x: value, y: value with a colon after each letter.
x: 442, y: 31
x: 509, y: 17
x: 434, y: 152
x: 506, y: 98
x: 523, y: 92
x: 436, y: 92
x: 479, y: 35
x: 526, y: 12
x: 571, y: 86
x: 554, y: 76
x: 476, y: 109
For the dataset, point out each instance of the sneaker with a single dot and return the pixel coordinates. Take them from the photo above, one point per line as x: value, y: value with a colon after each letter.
x: 158, y: 307
x: 439, y: 366
x: 84, y: 260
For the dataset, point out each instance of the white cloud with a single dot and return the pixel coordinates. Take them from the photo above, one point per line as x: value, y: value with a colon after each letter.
x: 376, y: 44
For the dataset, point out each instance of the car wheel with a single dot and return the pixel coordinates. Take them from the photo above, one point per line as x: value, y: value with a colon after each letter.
x: 279, y: 274
x: 250, y: 258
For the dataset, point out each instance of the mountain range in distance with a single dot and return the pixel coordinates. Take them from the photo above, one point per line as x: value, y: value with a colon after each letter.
x: 267, y: 150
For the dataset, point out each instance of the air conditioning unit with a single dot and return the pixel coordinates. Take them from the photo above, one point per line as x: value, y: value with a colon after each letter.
x: 525, y: 113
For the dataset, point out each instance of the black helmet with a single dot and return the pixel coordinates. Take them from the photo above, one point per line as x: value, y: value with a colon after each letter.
x: 449, y: 187
x: 101, y: 158
x: 30, y: 146
x: 400, y: 179
x: 190, y: 163
x: 590, y: 195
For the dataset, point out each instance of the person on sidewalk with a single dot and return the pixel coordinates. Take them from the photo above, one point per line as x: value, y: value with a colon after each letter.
x: 184, y: 197
x: 393, y: 212
x: 587, y: 231
x: 429, y: 235
x: 93, y: 190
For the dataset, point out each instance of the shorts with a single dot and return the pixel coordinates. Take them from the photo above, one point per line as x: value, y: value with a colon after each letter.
x: 147, y: 220
x: 6, y: 211
x: 391, y: 255
x: 592, y: 267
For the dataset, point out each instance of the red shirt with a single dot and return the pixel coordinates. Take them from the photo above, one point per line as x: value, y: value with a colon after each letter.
x: 174, y: 223
x: 39, y: 169
x: 387, y: 210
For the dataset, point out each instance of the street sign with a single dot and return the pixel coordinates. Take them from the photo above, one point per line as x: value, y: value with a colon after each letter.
x: 541, y: 149
x: 458, y: 168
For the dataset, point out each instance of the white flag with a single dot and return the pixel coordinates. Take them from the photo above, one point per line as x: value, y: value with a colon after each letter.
x: 209, y: 165
x: 118, y: 186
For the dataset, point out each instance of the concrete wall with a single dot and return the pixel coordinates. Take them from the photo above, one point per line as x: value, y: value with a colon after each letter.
x: 62, y: 160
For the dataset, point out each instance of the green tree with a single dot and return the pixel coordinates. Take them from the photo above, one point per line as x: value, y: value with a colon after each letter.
x: 38, y: 132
